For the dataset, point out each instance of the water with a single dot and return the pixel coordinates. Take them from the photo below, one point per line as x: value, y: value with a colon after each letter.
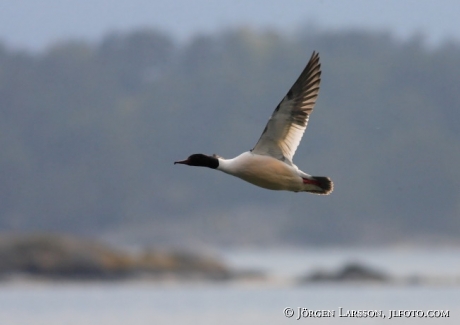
x: 142, y: 302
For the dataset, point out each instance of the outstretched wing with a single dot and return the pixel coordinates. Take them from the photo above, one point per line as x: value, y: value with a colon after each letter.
x: 288, y: 122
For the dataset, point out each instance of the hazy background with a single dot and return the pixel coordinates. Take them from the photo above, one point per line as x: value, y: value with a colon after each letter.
x: 98, y: 98
x: 36, y: 24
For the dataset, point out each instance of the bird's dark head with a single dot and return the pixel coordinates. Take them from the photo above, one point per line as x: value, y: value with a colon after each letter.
x: 200, y: 160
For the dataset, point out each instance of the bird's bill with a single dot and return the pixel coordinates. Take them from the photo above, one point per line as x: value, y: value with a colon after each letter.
x: 183, y: 162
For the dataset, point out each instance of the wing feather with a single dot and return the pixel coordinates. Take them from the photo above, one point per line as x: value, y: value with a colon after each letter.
x: 286, y: 126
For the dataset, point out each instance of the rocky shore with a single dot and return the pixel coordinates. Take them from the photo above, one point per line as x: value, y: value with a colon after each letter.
x: 71, y: 258
x: 68, y: 258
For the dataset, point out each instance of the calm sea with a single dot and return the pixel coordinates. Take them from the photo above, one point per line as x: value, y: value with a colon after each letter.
x: 139, y: 303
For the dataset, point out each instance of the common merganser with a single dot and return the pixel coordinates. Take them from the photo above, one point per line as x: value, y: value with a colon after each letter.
x: 269, y: 163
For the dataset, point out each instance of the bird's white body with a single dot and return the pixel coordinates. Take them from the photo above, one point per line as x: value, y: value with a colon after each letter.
x: 263, y: 171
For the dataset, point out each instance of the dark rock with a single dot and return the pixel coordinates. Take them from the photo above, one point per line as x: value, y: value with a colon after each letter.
x: 351, y: 272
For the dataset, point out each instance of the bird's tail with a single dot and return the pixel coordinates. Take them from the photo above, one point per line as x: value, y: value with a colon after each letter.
x: 318, y: 185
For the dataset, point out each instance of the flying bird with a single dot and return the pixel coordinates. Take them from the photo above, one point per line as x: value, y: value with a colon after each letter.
x: 269, y: 164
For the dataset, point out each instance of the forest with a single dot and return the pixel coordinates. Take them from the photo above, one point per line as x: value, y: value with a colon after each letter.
x: 89, y: 133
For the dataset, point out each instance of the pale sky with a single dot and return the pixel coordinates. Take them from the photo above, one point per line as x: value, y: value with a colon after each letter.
x: 35, y: 24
